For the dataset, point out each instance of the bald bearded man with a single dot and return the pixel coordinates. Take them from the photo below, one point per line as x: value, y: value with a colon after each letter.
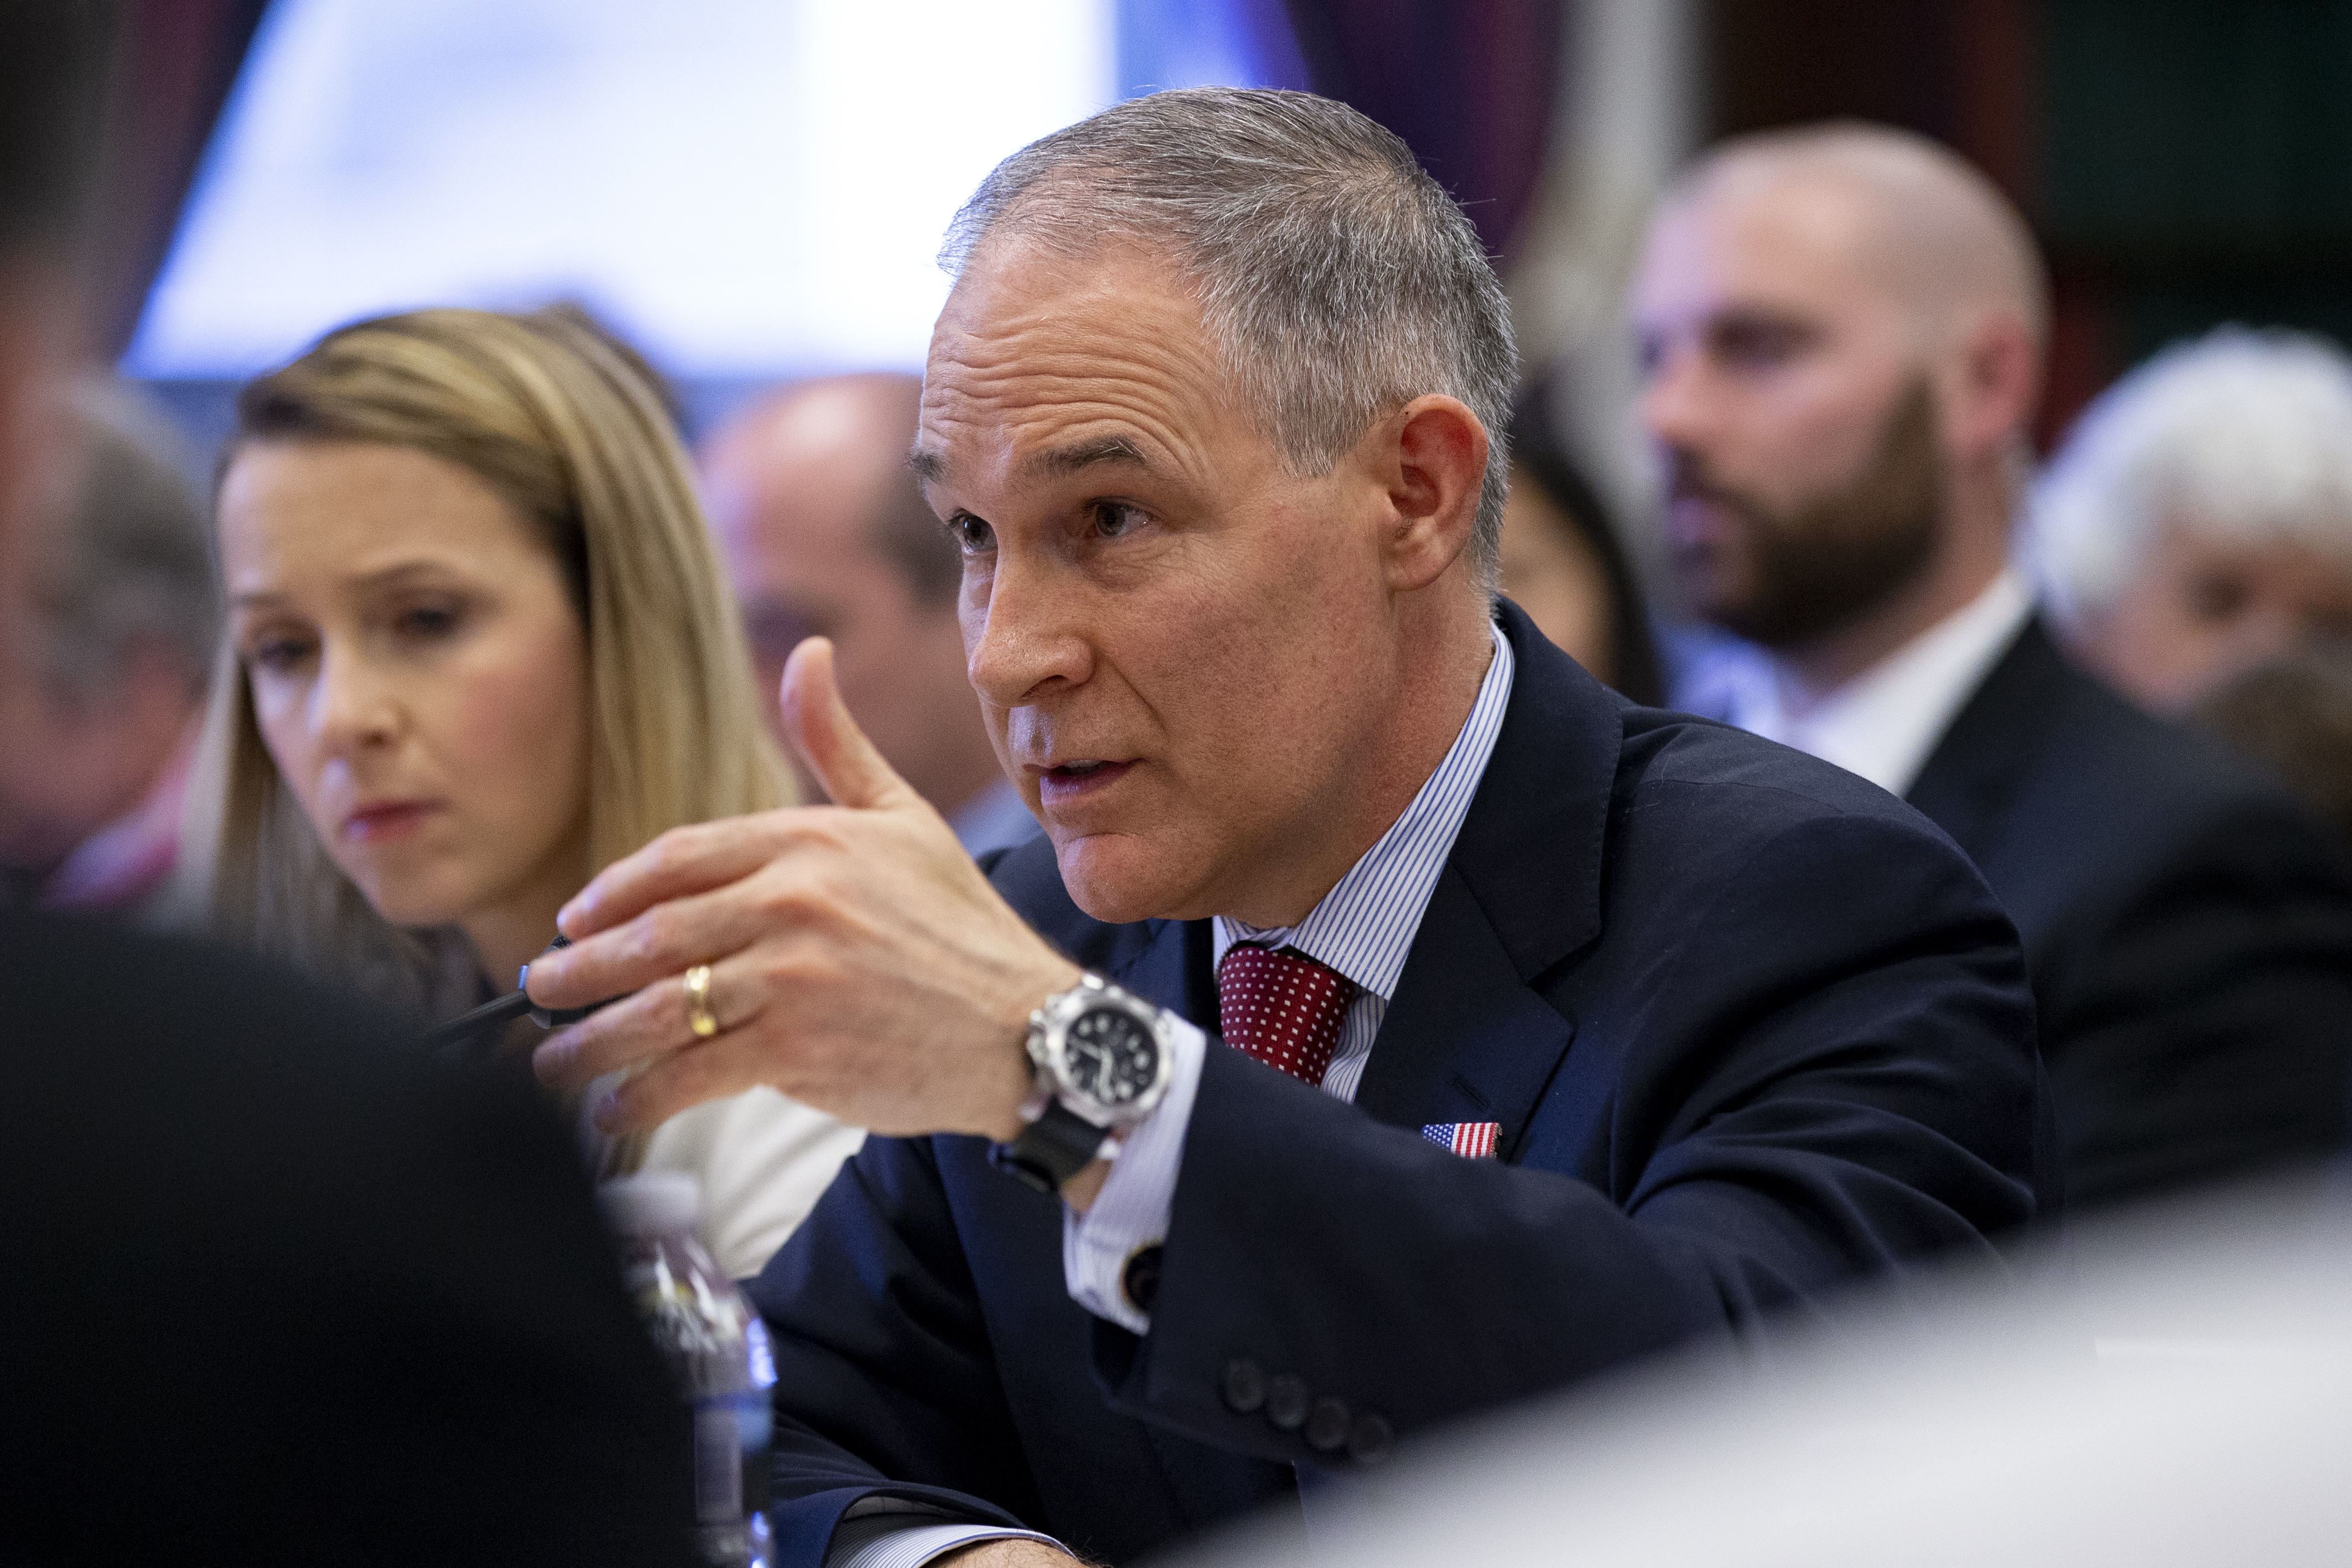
x: 826, y: 534
x: 1842, y: 330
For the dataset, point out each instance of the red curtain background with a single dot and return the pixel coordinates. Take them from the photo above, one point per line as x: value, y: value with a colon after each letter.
x: 1468, y: 84
x: 175, y: 63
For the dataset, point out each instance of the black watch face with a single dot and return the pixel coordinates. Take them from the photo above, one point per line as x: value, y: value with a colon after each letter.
x: 1111, y: 1055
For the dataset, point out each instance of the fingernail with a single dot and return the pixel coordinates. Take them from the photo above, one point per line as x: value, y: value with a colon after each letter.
x: 607, y: 1114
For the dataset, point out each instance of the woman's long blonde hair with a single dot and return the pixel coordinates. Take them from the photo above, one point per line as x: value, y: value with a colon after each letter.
x: 565, y: 424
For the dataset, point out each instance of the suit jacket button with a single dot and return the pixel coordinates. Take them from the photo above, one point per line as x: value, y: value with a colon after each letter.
x: 1286, y: 1401
x: 1369, y: 1438
x: 1327, y: 1425
x: 1245, y: 1384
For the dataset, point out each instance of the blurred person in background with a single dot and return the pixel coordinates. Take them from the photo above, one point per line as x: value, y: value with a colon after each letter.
x: 2293, y: 714
x: 2197, y: 518
x: 479, y: 649
x: 825, y: 534
x: 1563, y: 562
x: 116, y: 623
x: 343, y: 1303
x: 1842, y: 329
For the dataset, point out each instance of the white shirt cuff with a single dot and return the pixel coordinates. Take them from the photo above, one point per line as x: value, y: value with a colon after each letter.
x: 888, y: 1540
x: 1131, y: 1211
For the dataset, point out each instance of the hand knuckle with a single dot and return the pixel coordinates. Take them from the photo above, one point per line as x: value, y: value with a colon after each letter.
x: 652, y: 935
x: 786, y: 899
x: 789, y: 971
x: 667, y: 856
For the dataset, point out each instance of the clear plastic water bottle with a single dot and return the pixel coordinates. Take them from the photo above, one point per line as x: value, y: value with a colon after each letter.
x: 717, y: 1347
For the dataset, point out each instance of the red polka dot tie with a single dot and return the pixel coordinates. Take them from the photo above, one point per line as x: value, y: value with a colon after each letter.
x: 1283, y: 1008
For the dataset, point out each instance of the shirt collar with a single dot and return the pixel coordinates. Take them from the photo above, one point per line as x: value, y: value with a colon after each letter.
x: 1883, y: 723
x: 1365, y: 925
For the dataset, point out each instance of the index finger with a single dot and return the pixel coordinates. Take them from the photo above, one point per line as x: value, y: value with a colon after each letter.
x: 662, y: 941
x: 680, y: 863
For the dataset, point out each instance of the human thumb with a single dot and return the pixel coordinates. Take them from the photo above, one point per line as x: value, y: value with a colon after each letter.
x: 829, y: 741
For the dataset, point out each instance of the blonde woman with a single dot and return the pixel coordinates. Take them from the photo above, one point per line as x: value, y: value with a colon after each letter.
x: 478, y: 648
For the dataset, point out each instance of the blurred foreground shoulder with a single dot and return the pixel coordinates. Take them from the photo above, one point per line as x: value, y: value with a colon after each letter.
x: 332, y: 1291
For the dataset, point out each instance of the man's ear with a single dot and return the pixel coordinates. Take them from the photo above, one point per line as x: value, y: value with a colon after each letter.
x: 1438, y: 448
x: 1996, y: 384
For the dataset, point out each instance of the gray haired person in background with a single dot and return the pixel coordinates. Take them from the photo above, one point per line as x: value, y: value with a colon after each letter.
x: 2293, y: 715
x: 2197, y: 520
x: 111, y: 641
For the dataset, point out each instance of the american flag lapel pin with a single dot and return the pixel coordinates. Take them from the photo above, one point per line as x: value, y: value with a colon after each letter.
x: 1471, y: 1139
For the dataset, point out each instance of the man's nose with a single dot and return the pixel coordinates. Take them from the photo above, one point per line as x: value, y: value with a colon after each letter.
x: 1674, y: 406
x: 1023, y: 636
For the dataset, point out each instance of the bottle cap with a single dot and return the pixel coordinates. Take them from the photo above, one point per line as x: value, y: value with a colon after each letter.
x: 659, y: 1202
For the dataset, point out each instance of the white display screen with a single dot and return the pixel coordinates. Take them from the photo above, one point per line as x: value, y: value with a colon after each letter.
x: 742, y: 187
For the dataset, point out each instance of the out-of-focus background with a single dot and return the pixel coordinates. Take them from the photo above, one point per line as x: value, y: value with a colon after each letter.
x: 754, y: 189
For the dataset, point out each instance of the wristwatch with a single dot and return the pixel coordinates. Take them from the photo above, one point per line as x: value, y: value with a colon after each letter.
x: 1100, y: 1060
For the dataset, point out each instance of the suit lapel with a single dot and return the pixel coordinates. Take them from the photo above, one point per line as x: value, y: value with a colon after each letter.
x: 1167, y: 962
x: 1154, y: 959
x: 1531, y: 845
x: 1466, y: 1038
x: 1966, y: 782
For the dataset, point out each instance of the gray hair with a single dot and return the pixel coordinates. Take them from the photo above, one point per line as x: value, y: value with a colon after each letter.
x: 125, y: 566
x: 1339, y: 280
x: 2239, y: 435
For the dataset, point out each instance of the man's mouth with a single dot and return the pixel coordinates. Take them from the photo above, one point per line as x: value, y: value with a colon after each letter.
x: 1080, y: 776
x: 1694, y: 515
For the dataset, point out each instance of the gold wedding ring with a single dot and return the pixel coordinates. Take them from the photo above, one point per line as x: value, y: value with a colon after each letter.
x: 698, y: 1016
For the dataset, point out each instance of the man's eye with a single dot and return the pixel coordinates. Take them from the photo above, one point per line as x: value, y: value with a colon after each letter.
x: 1760, y: 345
x: 972, y: 536
x: 1115, y: 520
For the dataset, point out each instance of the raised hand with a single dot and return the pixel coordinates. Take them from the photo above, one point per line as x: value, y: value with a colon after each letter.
x: 858, y: 961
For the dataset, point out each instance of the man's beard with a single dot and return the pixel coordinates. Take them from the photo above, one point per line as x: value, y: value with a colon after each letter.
x: 1784, y: 579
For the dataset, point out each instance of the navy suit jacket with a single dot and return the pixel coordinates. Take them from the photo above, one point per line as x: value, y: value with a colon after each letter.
x: 1751, y: 1029
x: 2188, y: 927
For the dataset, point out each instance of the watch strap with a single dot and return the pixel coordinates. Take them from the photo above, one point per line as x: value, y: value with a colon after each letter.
x: 1051, y: 1149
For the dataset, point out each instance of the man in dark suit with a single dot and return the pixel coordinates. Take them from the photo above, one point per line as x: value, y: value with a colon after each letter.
x: 1842, y: 329
x: 1549, y: 1030
x: 273, y: 1289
